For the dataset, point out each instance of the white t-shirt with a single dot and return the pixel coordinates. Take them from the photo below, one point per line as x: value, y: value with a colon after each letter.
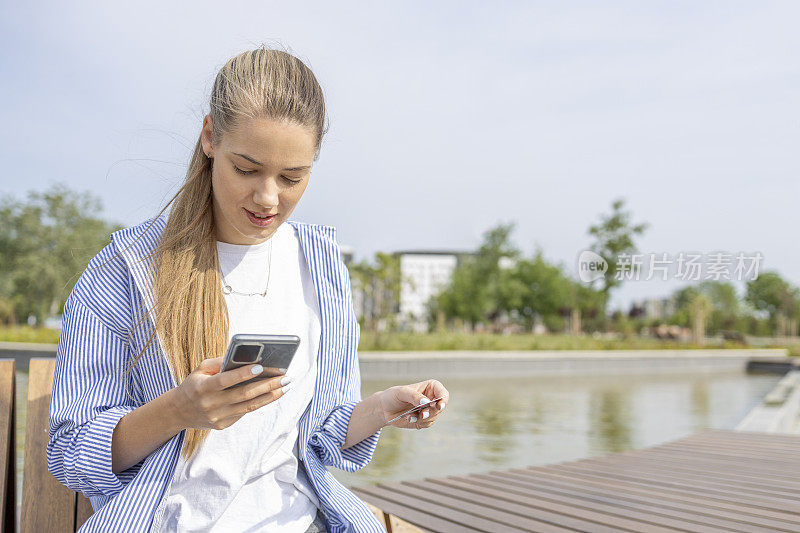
x: 246, y: 477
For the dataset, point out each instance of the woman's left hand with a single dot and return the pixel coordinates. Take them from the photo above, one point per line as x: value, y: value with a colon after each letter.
x: 400, y: 398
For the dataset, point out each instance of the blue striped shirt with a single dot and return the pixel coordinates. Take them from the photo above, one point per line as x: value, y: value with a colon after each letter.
x: 91, y: 390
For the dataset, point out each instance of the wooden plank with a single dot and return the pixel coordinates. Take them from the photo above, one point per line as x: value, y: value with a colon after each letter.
x: 768, y: 458
x: 744, y: 443
x: 696, y: 462
x: 628, y: 515
x: 83, y: 510
x: 47, y: 505
x: 712, y: 481
x: 396, y: 525
x: 503, y: 513
x: 675, y: 488
x: 419, y: 516
x: 392, y: 523
x: 745, y: 449
x: 751, y: 463
x: 737, y: 472
x: 653, y: 471
x: 8, y: 433
x: 500, y: 496
x: 666, y: 480
x: 445, y: 512
x: 776, y: 519
x: 690, y: 518
x: 380, y: 515
x: 750, y: 436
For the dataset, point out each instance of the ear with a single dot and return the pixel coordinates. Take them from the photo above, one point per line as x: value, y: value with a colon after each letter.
x: 206, y: 136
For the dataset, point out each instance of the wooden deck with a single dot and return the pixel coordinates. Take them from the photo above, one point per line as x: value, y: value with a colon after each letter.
x: 715, y: 480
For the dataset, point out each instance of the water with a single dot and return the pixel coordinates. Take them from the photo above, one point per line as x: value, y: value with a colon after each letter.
x: 495, y: 424
x: 512, y: 423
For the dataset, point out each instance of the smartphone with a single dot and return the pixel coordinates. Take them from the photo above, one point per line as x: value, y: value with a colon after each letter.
x: 273, y: 352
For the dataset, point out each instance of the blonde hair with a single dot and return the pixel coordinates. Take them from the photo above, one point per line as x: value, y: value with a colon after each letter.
x: 191, y: 317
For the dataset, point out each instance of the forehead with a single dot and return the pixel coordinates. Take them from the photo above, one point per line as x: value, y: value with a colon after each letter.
x: 271, y: 141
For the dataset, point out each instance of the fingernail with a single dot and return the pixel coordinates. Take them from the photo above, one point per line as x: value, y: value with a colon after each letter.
x: 286, y: 380
x: 423, y: 401
x: 257, y: 370
x: 413, y: 419
x: 286, y: 389
x: 425, y: 415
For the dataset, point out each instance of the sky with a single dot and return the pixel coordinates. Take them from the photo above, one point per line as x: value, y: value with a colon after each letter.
x: 446, y: 118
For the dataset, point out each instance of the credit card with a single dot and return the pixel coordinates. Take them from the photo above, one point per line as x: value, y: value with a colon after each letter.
x: 416, y: 409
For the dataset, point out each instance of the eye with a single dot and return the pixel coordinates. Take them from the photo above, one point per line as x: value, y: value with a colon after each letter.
x: 292, y: 181
x: 243, y: 172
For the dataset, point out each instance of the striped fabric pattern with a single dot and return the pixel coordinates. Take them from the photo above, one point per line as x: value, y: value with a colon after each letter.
x: 92, y: 390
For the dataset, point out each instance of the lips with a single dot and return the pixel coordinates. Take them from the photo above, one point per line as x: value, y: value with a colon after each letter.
x: 261, y: 215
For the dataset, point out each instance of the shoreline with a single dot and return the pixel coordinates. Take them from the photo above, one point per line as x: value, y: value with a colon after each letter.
x: 419, y: 365
x: 477, y: 364
x: 779, y: 410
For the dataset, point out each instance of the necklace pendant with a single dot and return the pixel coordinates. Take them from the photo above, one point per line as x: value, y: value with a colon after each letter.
x: 226, y: 289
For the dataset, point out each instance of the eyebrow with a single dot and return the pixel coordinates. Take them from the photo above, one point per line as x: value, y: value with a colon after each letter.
x: 305, y: 167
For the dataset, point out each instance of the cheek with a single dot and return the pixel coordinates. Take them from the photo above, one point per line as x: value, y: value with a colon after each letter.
x: 293, y: 197
x: 297, y: 191
x: 226, y: 188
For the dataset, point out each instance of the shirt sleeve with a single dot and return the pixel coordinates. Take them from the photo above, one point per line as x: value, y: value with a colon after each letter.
x: 89, y: 397
x: 327, y: 441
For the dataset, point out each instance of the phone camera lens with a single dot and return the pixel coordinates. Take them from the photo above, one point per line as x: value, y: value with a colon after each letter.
x: 246, y: 353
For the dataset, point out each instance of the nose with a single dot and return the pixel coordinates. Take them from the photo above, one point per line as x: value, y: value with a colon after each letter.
x: 266, y: 193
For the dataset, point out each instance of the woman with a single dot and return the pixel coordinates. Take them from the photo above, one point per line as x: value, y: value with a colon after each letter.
x: 142, y: 420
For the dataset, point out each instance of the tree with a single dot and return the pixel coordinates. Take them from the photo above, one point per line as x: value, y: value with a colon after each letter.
x: 614, y: 235
x: 547, y: 292
x: 699, y: 307
x: 480, y: 288
x: 380, y: 284
x: 45, y: 244
x: 546, y: 288
x: 724, y: 313
x: 464, y: 297
x: 771, y: 293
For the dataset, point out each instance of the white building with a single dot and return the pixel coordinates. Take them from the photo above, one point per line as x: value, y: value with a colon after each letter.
x: 655, y: 308
x: 424, y: 274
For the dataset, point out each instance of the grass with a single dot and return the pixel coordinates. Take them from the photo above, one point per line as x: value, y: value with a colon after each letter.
x: 408, y: 341
x: 28, y: 334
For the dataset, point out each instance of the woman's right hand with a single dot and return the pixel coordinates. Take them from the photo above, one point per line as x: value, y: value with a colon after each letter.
x: 205, y: 401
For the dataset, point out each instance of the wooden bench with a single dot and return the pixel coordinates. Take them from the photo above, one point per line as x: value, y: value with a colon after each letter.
x: 47, y: 505
x: 8, y: 443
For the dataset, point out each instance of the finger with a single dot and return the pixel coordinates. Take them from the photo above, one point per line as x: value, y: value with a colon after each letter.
x: 425, y: 422
x: 211, y: 365
x: 410, y: 395
x: 248, y: 406
x: 223, y: 380
x: 437, y: 389
x: 441, y: 404
x: 248, y: 391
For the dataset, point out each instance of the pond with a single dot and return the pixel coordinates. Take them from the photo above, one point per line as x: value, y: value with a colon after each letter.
x: 511, y: 423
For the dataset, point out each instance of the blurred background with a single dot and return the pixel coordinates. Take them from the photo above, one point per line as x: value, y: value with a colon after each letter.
x: 475, y: 151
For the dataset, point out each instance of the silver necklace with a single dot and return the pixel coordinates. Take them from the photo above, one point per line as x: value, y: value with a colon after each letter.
x: 226, y: 289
